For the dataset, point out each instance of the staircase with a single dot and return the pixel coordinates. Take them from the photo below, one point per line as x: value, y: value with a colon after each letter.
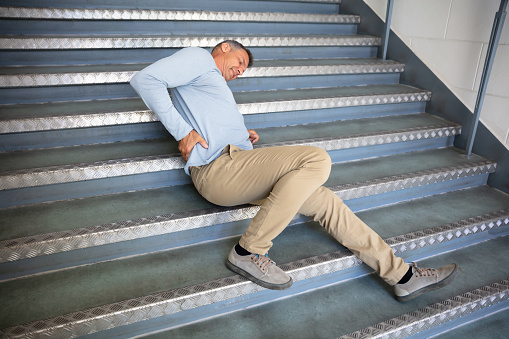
x: 102, y: 233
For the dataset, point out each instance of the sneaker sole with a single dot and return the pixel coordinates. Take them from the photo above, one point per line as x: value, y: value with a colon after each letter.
x: 257, y: 281
x: 433, y: 287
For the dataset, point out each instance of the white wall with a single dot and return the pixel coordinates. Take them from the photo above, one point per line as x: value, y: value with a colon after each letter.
x: 451, y: 37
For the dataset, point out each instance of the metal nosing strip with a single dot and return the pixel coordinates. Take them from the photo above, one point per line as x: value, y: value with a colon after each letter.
x: 31, y: 43
x: 43, y: 244
x: 130, y: 117
x: 181, y: 299
x: 64, y: 79
x: 158, y: 15
x: 113, y: 168
x: 439, y: 313
x: 323, y: 103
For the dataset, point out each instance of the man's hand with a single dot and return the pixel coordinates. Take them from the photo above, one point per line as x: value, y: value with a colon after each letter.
x: 253, y: 136
x: 187, y: 143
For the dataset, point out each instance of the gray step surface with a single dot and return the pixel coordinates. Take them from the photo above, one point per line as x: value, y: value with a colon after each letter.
x: 334, y: 312
x: 104, y: 74
x: 67, y: 164
x: 140, y: 21
x: 294, y: 6
x: 64, y: 42
x: 149, y: 15
x: 187, y: 292
x: 28, y: 117
x: 181, y: 209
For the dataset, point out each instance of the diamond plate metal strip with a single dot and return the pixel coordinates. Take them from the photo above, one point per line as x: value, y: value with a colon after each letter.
x: 31, y: 43
x: 404, y: 181
x: 439, y: 313
x: 130, y: 117
x: 29, y: 247
x: 147, y: 14
x: 76, y: 121
x: 43, y: 244
x: 64, y: 79
x: 95, y: 170
x: 113, y: 168
x: 364, y: 140
x: 182, y: 299
x: 323, y: 103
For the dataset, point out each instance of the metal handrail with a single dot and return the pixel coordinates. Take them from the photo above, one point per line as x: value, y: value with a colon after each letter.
x: 387, y: 28
x: 496, y: 31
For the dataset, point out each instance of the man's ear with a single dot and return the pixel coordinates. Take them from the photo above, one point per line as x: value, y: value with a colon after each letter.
x: 225, y: 47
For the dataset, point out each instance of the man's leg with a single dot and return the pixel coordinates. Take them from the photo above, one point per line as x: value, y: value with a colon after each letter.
x: 409, y: 282
x: 283, y: 177
x: 328, y: 209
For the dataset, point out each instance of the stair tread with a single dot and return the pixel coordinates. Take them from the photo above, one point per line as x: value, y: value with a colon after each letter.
x: 136, y: 104
x: 62, y: 156
x: 115, y: 41
x: 177, y: 15
x: 84, y: 283
x: 88, y: 212
x: 15, y: 70
x: 335, y: 310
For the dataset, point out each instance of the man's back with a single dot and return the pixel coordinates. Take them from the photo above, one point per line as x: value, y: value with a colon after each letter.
x: 202, y: 101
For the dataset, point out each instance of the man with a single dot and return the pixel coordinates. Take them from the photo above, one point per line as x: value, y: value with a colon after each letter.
x: 284, y: 181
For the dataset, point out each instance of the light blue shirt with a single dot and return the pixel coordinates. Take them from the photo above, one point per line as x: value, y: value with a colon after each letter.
x: 201, y: 101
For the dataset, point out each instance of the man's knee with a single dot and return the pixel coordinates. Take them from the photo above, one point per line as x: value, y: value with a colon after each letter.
x: 322, y: 161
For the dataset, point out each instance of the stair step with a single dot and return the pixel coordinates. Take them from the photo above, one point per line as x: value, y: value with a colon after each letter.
x: 157, y: 15
x: 64, y: 42
x: 107, y: 74
x: 185, y: 211
x: 68, y: 164
x: 80, y: 114
x: 316, y: 270
x: 333, y: 312
x: 439, y: 313
x: 492, y: 326
x: 294, y: 6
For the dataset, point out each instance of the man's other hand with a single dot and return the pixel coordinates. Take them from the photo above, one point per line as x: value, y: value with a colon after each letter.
x: 187, y: 143
x: 253, y: 136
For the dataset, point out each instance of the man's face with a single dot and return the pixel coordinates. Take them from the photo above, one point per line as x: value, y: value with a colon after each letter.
x: 232, y: 63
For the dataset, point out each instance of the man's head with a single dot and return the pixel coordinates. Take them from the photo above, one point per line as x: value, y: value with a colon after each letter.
x: 232, y: 58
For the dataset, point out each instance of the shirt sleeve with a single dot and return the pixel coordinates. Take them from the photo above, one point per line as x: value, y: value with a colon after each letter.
x: 152, y: 85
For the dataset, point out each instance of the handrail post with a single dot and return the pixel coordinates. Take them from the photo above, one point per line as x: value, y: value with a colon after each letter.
x: 387, y: 28
x: 496, y: 31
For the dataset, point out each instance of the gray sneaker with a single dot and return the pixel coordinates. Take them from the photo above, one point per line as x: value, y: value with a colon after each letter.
x: 425, y: 280
x: 259, y: 269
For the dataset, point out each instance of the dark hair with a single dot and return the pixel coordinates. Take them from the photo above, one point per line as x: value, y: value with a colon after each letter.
x: 235, y: 45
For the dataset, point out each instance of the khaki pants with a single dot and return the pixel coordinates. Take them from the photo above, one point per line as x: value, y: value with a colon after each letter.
x: 285, y: 181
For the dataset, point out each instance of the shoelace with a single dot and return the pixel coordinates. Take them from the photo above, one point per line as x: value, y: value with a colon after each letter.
x: 262, y: 261
x: 426, y: 272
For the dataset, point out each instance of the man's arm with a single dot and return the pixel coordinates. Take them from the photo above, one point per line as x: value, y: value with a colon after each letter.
x: 187, y: 143
x: 152, y: 85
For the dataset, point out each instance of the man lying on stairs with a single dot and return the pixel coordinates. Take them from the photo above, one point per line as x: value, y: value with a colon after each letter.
x: 203, y: 116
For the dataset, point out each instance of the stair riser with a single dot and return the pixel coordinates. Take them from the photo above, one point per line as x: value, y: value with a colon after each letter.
x: 87, y: 57
x: 103, y: 27
x: 442, y: 317
x: 152, y: 130
x: 118, y: 184
x: 79, y: 257
x: 229, y: 294
x: 26, y: 95
x: 361, y: 198
x: 460, y: 316
x: 318, y: 7
x: 479, y: 310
